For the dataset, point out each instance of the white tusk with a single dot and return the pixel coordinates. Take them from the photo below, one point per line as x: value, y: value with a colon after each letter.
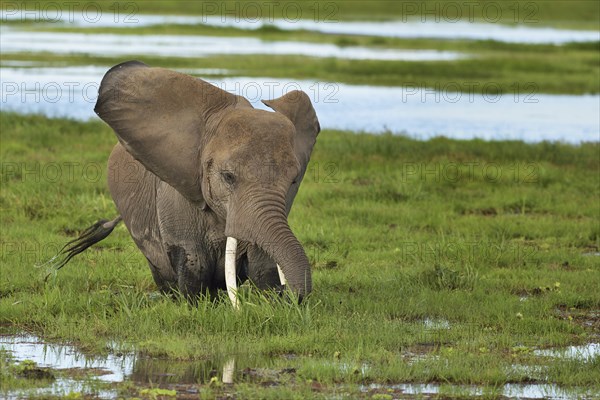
x: 230, y: 272
x: 281, y: 275
x: 228, y: 370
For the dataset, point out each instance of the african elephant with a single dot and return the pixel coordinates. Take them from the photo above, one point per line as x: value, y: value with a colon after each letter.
x: 198, y: 170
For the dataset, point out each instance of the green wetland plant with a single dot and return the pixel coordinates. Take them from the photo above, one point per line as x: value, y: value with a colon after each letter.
x: 417, y: 279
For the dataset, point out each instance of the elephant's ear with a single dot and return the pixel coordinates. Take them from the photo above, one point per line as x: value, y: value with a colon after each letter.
x: 160, y: 117
x: 296, y: 106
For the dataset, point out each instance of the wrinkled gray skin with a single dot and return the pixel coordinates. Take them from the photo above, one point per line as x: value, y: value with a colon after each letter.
x: 194, y: 165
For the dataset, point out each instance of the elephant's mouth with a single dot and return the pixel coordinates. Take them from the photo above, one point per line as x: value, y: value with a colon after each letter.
x: 231, y: 275
x: 270, y: 232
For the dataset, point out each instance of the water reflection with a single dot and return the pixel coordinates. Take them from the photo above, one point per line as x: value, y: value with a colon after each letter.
x: 417, y: 29
x: 120, y: 366
x: 105, y: 45
x: 112, y: 368
x: 162, y: 372
x: 228, y: 370
x: 410, y: 28
x: 422, y: 113
x: 586, y: 352
x: 509, y: 390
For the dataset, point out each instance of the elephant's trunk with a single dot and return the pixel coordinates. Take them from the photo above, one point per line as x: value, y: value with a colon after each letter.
x: 285, y: 249
x: 268, y: 228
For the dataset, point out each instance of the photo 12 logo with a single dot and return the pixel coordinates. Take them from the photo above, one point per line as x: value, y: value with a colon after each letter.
x: 460, y: 252
x: 87, y: 92
x: 471, y: 11
x: 470, y: 92
x: 52, y: 172
x: 78, y: 12
x: 255, y: 91
x: 270, y: 11
x: 49, y: 92
x: 471, y: 171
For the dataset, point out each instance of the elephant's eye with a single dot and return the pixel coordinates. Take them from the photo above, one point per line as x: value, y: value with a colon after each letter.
x: 228, y: 177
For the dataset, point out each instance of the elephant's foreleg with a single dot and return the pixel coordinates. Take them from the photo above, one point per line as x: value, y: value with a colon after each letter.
x: 183, y: 228
x: 194, y: 273
x: 165, y: 287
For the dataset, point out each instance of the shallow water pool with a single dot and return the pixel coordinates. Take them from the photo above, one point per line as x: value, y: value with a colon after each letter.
x: 407, y: 28
x: 126, y: 366
x: 422, y: 113
x: 14, y: 41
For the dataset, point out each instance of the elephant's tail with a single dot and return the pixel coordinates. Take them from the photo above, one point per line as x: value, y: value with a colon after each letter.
x: 90, y: 236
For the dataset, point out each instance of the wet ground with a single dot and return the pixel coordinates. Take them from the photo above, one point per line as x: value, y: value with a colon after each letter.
x: 71, y: 92
x: 64, y: 369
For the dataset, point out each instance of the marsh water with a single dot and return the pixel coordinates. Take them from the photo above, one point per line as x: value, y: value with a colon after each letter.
x: 422, y: 113
x: 448, y: 110
x: 78, y: 372
x: 15, y: 41
x: 441, y: 28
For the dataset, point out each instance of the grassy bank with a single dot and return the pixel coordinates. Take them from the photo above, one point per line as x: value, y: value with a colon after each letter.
x: 434, y: 261
x: 575, y: 14
x: 506, y: 67
x: 558, y: 70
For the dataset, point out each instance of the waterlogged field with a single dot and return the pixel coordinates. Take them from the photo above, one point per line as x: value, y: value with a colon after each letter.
x: 443, y: 268
x: 451, y: 263
x: 544, y: 46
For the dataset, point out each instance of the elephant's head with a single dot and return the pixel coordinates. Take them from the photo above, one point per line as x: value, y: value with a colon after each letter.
x: 223, y: 155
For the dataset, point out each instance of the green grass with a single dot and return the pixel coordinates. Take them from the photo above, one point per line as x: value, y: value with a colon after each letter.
x: 469, y: 253
x: 439, y: 261
x: 575, y: 14
x: 571, y: 69
x: 562, y: 70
